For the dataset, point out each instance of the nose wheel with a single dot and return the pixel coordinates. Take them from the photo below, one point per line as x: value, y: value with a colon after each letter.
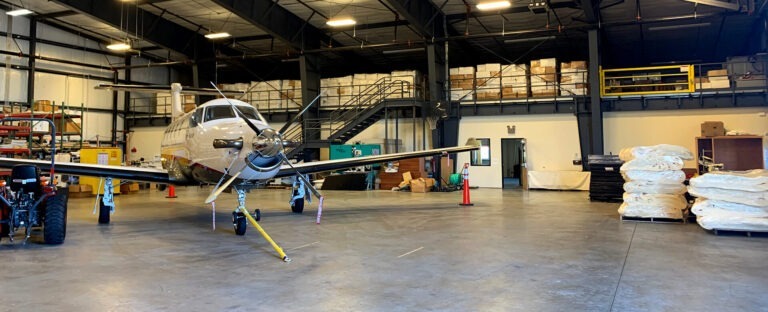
x: 239, y: 222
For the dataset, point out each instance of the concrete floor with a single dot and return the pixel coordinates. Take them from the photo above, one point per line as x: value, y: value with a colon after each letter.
x: 383, y: 251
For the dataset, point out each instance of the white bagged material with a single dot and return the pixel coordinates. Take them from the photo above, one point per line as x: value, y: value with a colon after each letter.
x: 752, y: 180
x: 734, y: 196
x: 650, y: 187
x: 649, y: 211
x: 664, y: 201
x: 628, y: 154
x: 709, y: 207
x: 662, y: 177
x: 733, y: 223
x: 655, y: 163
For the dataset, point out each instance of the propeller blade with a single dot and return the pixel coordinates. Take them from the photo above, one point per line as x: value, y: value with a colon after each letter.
x: 239, y: 113
x: 301, y: 113
x: 221, y: 189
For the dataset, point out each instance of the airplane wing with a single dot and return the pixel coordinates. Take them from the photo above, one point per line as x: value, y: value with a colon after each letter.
x: 327, y: 165
x: 93, y: 170
x: 165, y: 88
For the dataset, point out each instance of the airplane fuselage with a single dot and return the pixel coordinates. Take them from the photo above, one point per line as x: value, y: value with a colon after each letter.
x: 188, y: 152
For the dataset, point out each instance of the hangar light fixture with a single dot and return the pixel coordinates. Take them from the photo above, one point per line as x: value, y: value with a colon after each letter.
x: 218, y: 35
x: 339, y: 22
x: 676, y: 27
x: 520, y: 40
x: 493, y: 5
x: 119, y: 46
x: 717, y: 3
x: 19, y: 12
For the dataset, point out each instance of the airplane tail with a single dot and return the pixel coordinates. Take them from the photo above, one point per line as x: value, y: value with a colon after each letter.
x: 176, y: 108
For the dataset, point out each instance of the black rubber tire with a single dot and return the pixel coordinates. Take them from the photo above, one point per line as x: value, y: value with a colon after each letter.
x: 298, y: 206
x: 5, y: 214
x: 162, y: 187
x: 240, y: 223
x: 103, y: 213
x: 257, y: 215
x: 55, y: 222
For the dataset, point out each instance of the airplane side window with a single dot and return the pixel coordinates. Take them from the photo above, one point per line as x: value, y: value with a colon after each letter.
x: 218, y: 112
x: 196, y: 118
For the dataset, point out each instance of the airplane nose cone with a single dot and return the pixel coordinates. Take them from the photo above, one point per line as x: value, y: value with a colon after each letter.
x: 268, y: 143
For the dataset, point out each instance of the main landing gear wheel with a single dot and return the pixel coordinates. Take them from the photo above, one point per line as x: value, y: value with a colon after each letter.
x: 298, y: 204
x: 103, y: 213
x: 55, y: 222
x: 239, y: 222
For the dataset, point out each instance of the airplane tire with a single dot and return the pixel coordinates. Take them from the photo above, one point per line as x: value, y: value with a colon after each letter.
x: 239, y: 222
x: 257, y: 215
x: 103, y: 213
x: 55, y: 223
x: 5, y: 215
x: 298, y: 206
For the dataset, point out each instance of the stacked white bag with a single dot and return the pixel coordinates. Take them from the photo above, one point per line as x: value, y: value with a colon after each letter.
x: 736, y: 201
x: 654, y: 181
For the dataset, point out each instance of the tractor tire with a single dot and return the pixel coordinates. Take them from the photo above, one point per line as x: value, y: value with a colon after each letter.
x: 103, y: 213
x: 55, y: 222
x: 298, y: 206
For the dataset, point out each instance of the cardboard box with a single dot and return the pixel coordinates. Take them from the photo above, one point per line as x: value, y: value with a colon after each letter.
x: 44, y: 106
x: 422, y: 185
x: 712, y: 129
x: 719, y: 74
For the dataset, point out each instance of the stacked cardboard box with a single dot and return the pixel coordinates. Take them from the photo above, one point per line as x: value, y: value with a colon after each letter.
x: 163, y: 103
x: 573, y: 78
x: 544, y: 77
x: 462, y: 83
x: 716, y: 79
x: 514, y: 81
x: 488, y: 82
x: 290, y: 94
x: 408, y: 80
x: 265, y: 95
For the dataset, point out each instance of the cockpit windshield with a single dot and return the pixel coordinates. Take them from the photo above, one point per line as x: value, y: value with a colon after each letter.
x: 248, y: 112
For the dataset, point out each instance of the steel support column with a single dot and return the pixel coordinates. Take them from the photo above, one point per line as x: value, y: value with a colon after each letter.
x: 126, y: 104
x: 590, y: 118
x: 31, y: 64
x: 310, y: 89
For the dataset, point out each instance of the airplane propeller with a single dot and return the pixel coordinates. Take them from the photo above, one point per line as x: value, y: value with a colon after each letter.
x: 269, y: 143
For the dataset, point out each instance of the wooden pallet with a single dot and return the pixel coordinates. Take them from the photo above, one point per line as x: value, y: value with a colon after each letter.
x: 654, y: 220
x: 719, y: 232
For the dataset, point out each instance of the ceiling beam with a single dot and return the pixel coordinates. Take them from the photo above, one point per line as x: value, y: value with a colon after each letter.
x: 279, y: 23
x: 591, y: 12
x: 423, y: 15
x: 151, y: 27
x: 515, y: 9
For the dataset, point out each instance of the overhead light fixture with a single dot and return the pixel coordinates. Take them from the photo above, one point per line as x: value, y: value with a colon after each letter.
x: 719, y: 4
x: 529, y: 39
x: 19, y: 12
x: 493, y: 5
x: 675, y: 27
x: 538, y: 7
x: 339, y: 22
x: 119, y: 46
x: 218, y: 35
x: 403, y: 51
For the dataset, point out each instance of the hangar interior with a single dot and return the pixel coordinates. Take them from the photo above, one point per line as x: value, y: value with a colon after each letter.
x: 548, y: 87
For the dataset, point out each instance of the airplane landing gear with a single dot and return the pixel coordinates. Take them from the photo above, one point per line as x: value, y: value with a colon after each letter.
x: 239, y: 221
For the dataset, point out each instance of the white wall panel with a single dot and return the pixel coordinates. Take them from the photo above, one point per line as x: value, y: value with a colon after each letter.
x: 628, y: 129
x: 552, y: 142
x: 17, y: 92
x: 146, y: 140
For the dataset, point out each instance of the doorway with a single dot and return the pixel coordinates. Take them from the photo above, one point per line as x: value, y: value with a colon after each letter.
x: 512, y: 163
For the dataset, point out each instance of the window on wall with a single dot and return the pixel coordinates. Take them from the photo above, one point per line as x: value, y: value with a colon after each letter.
x: 482, y: 157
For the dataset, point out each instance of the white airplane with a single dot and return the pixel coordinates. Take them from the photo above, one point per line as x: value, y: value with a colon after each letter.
x: 221, y: 139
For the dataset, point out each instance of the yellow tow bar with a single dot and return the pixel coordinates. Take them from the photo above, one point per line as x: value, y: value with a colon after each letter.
x: 266, y: 236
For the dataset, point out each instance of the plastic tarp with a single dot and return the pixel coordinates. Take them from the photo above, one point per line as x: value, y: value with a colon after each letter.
x: 660, y: 150
x: 733, y: 223
x: 709, y: 207
x: 661, y: 177
x: 729, y: 195
x: 649, y: 211
x: 752, y: 180
x: 649, y: 187
x: 656, y: 163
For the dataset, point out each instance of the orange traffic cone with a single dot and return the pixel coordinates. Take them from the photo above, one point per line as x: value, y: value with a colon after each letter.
x: 465, y: 176
x: 171, y: 192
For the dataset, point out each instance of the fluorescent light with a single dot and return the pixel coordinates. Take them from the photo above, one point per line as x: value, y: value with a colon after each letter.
x: 120, y: 46
x: 683, y: 26
x: 217, y: 35
x: 338, y: 22
x: 495, y: 5
x: 403, y: 51
x: 19, y: 12
x: 719, y: 4
x: 529, y: 39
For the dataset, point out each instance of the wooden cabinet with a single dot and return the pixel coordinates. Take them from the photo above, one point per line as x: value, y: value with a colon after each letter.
x: 414, y: 165
x: 739, y: 152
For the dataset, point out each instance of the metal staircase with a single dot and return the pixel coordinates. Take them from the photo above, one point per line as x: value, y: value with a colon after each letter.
x: 352, y: 117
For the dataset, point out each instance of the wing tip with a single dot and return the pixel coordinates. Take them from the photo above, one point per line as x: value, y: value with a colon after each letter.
x: 473, y: 142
